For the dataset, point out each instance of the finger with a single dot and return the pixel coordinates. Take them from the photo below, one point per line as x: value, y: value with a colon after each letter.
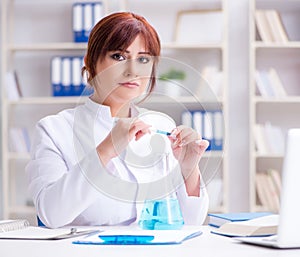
x: 203, y: 145
x: 141, y: 133
x: 139, y: 125
x: 186, y: 136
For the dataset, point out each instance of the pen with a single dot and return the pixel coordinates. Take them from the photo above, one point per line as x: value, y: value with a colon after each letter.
x: 158, y: 131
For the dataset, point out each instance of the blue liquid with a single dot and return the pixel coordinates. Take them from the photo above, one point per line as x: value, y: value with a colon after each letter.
x: 162, y: 214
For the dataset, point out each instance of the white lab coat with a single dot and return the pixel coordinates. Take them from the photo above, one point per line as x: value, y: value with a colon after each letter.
x: 70, y: 186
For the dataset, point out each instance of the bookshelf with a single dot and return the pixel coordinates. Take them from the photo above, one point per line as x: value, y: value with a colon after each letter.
x: 278, y: 110
x: 30, y: 54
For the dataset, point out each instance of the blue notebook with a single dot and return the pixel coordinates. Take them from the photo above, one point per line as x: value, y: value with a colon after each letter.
x: 218, y: 219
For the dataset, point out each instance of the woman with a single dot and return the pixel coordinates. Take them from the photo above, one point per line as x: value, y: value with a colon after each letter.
x: 79, y: 173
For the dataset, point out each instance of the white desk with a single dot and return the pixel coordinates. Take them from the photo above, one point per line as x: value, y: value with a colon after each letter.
x: 206, y: 245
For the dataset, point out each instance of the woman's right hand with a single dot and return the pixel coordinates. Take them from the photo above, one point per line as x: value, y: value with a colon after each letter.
x: 117, y: 140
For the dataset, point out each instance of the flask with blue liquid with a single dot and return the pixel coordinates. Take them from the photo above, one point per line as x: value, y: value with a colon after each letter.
x: 162, y: 214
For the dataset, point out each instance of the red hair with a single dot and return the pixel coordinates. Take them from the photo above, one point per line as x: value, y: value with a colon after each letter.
x: 117, y: 31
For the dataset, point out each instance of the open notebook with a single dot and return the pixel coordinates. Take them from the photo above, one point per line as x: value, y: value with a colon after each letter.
x: 23, y: 231
x: 289, y: 222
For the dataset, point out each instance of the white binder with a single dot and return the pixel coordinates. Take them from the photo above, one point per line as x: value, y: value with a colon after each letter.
x: 56, y: 78
x: 66, y: 76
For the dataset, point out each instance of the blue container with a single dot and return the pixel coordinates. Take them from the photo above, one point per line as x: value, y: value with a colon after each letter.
x: 164, y: 214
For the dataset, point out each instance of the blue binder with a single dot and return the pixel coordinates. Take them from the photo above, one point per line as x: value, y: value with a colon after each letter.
x: 85, y: 16
x: 56, y: 76
x: 66, y: 79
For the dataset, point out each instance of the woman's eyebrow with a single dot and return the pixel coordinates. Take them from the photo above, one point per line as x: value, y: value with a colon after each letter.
x: 128, y: 52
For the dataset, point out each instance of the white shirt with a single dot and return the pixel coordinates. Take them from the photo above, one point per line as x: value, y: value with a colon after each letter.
x: 70, y: 186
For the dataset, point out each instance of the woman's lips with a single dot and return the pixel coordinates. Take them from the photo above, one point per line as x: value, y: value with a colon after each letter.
x: 129, y: 84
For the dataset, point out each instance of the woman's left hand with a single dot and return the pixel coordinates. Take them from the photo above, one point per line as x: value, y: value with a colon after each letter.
x: 188, y: 148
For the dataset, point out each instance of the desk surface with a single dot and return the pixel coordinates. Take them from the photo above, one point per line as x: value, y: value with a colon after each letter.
x: 206, y: 245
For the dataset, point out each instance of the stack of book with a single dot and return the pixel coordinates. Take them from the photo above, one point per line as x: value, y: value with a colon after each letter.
x: 269, y: 83
x: 219, y: 219
x: 268, y: 188
x: 248, y: 224
x: 270, y: 26
x: 265, y: 135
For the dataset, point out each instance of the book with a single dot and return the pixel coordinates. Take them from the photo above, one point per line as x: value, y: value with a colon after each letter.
x: 271, y: 132
x: 268, y: 185
x: 264, y: 135
x: 276, y: 83
x: 263, y: 26
x: 260, y: 139
x: 277, y: 29
x: 19, y: 140
x: 261, y: 189
x: 275, y: 175
x: 263, y: 83
x: 139, y: 237
x: 219, y: 219
x: 261, y: 226
x: 13, y: 88
x: 22, y: 230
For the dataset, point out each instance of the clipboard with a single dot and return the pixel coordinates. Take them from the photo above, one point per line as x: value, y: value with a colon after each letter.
x: 139, y: 237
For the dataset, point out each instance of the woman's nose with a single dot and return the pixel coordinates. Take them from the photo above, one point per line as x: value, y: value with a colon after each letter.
x: 130, y: 68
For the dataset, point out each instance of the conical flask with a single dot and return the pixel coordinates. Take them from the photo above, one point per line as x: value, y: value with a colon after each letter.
x: 162, y: 214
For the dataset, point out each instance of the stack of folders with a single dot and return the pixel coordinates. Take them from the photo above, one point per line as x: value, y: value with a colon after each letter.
x: 209, y: 124
x: 66, y: 76
x: 85, y: 16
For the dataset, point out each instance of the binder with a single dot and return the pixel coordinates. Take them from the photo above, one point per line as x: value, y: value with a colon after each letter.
x: 56, y: 76
x: 85, y: 17
x: 208, y: 128
x: 217, y: 142
x: 86, y: 89
x: 198, y: 122
x: 66, y: 76
x: 209, y: 124
x: 187, y: 118
x: 87, y: 20
x: 98, y: 13
x: 76, y: 86
x: 78, y: 23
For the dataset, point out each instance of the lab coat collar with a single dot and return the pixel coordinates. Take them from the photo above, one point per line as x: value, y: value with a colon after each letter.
x: 105, y: 112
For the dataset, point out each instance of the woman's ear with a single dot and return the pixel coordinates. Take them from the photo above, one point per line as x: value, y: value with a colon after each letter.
x: 84, y: 70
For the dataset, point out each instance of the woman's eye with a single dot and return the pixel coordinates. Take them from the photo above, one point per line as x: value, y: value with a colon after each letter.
x: 143, y: 59
x: 118, y: 57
